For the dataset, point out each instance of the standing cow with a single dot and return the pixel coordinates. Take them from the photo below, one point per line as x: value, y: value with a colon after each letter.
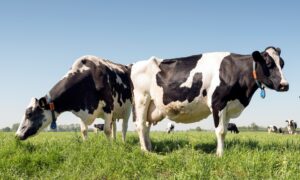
x: 291, y: 127
x: 232, y: 127
x: 93, y: 88
x: 189, y: 89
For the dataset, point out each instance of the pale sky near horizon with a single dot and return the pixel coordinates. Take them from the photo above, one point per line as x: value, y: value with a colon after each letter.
x: 40, y: 40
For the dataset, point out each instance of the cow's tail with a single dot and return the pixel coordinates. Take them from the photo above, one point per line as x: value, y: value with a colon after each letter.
x: 129, y: 67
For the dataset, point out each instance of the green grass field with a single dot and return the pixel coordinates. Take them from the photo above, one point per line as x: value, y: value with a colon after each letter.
x: 181, y: 155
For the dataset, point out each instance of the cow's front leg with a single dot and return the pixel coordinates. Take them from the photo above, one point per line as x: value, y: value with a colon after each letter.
x: 221, y: 122
x: 108, y: 125
x: 84, y: 130
x: 141, y: 109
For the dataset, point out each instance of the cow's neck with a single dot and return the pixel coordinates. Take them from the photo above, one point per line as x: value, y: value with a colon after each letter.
x: 247, y: 82
x: 240, y: 84
x: 66, y: 94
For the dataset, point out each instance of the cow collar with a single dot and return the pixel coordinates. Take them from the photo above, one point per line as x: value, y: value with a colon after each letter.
x: 259, y: 84
x: 52, y: 108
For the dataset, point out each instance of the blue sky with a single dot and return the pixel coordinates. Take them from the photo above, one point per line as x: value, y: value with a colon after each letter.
x: 40, y: 40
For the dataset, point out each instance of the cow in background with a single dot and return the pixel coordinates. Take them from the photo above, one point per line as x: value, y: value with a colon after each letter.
x: 170, y: 127
x: 98, y: 127
x: 292, y: 126
x: 272, y: 128
x: 92, y: 88
x: 232, y: 127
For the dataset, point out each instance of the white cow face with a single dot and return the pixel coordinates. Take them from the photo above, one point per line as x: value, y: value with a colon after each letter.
x: 34, y: 120
x: 270, y: 69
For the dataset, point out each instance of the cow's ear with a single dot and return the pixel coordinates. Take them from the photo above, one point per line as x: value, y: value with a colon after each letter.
x: 257, y: 56
x: 278, y: 51
x: 286, y: 121
x: 42, y: 102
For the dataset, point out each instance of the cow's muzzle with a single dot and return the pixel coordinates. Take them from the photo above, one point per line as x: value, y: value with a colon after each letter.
x: 283, y: 87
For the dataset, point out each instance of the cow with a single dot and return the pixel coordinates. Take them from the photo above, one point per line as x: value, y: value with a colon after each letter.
x: 98, y: 127
x: 92, y: 88
x: 170, y: 127
x: 291, y: 127
x: 272, y: 128
x: 232, y: 127
x: 189, y: 89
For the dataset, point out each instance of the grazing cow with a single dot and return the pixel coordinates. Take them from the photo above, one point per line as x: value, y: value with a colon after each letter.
x: 272, y: 128
x: 170, y: 127
x: 93, y: 88
x: 232, y: 127
x: 98, y: 127
x: 189, y: 89
x: 291, y: 127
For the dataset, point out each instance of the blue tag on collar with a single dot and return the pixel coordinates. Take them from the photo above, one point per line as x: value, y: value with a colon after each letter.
x: 262, y: 93
x: 53, y: 125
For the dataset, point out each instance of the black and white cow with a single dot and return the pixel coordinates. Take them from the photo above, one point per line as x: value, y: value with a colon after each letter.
x: 93, y: 88
x: 292, y: 126
x: 98, y: 127
x: 170, y: 127
x: 272, y: 129
x: 189, y: 89
x: 232, y: 127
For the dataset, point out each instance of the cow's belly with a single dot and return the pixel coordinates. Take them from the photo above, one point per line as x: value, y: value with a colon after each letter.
x: 121, y: 112
x: 185, y: 112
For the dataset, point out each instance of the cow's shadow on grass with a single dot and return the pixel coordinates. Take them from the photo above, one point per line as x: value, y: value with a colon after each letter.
x: 167, y: 146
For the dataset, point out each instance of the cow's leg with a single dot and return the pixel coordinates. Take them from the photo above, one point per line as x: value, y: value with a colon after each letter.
x: 124, y: 128
x: 114, y: 129
x: 221, y: 130
x: 147, y: 135
x: 141, y: 109
x: 83, y: 128
x: 108, y: 125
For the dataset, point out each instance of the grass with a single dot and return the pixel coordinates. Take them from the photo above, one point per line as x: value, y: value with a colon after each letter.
x: 181, y: 155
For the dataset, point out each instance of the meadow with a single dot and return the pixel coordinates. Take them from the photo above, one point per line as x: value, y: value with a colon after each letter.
x: 180, y: 155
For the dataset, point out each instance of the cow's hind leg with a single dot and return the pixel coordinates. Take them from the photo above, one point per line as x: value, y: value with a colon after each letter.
x: 140, y: 111
x: 108, y: 125
x: 125, y: 127
x: 114, y: 129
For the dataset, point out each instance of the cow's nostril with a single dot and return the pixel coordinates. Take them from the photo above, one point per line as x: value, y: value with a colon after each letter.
x: 284, y: 87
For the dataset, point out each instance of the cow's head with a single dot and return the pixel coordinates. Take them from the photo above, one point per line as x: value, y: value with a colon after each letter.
x: 269, y: 69
x: 290, y: 122
x: 36, y: 118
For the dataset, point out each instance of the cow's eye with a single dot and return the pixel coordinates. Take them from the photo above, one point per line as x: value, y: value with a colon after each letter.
x: 28, y: 113
x: 270, y: 63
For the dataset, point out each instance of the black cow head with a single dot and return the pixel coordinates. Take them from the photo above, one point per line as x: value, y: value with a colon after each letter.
x: 36, y: 118
x: 269, y: 69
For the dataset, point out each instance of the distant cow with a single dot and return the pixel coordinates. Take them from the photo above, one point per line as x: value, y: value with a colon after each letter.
x: 170, y: 127
x: 232, y: 127
x: 98, y: 127
x: 189, y: 89
x: 291, y: 127
x: 93, y: 88
x: 272, y: 128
